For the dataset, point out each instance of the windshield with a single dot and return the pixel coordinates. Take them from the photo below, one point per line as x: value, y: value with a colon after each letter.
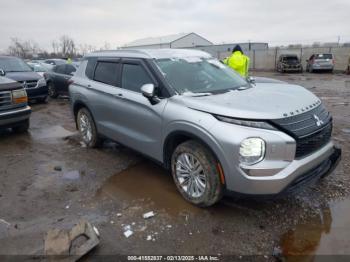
x: 13, y: 64
x: 37, y: 67
x: 290, y: 59
x: 199, y: 75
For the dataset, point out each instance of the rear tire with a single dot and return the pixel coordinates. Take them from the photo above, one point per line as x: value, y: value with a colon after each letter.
x: 195, y: 173
x: 22, y: 128
x: 52, y: 90
x: 87, y: 128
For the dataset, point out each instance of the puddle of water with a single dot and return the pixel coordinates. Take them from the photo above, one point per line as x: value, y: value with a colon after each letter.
x: 51, y: 132
x: 147, y: 181
x: 326, y: 234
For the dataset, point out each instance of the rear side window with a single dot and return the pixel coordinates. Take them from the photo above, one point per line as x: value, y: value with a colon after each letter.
x: 60, y: 69
x: 107, y: 72
x: 324, y: 56
x: 134, y: 76
x: 70, y: 69
x: 89, y: 71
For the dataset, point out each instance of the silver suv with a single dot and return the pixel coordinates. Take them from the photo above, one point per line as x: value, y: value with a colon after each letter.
x: 214, y: 130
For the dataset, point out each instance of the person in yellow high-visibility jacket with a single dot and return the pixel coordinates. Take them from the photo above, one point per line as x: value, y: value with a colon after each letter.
x: 238, y: 61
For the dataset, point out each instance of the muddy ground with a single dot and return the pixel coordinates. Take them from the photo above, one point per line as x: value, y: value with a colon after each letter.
x: 48, y: 179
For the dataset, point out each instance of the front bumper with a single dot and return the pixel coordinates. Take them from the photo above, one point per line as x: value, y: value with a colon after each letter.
x: 37, y: 92
x: 13, y: 117
x: 297, y: 175
x: 292, y: 69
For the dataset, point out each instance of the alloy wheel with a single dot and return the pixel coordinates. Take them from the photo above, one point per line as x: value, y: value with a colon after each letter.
x: 85, y: 128
x: 190, y: 175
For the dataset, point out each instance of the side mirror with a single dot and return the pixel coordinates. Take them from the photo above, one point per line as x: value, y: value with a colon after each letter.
x: 148, y: 91
x: 2, y: 72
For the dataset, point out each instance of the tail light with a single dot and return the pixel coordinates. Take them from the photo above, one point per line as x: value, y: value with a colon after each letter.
x: 333, y: 60
x: 70, y: 81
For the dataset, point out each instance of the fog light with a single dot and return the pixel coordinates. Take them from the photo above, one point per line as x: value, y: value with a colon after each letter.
x: 252, y: 150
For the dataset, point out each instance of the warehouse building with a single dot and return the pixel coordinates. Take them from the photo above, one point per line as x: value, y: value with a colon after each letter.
x: 217, y: 50
x: 195, y: 41
x: 182, y: 40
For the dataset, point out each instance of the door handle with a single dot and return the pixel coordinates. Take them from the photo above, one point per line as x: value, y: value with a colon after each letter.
x: 119, y: 95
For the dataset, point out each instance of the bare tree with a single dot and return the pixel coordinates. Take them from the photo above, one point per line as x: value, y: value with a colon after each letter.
x: 24, y: 49
x: 55, y: 46
x: 67, y: 46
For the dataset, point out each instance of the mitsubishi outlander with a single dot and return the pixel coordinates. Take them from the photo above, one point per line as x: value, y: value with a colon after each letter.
x: 215, y: 131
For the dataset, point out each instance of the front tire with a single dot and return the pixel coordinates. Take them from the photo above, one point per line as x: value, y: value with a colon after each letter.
x: 52, y: 90
x: 87, y: 128
x: 195, y: 173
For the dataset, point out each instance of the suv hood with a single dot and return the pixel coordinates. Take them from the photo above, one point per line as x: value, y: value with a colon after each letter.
x: 262, y: 101
x: 23, y: 76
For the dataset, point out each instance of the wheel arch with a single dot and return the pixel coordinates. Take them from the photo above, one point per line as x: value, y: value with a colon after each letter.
x: 175, y: 138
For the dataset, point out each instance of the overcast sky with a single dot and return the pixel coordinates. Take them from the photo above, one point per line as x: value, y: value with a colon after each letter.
x: 120, y: 21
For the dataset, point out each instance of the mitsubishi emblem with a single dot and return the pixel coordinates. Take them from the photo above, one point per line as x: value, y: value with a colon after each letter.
x: 319, y: 122
x: 24, y: 84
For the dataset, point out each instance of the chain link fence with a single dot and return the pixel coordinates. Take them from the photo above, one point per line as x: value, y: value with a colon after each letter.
x: 266, y: 59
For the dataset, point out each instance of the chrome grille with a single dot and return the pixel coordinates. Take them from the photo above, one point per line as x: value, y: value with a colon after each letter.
x: 29, y: 83
x: 311, y: 130
x: 5, y: 98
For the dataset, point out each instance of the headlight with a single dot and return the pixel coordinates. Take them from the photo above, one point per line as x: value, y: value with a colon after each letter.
x: 252, y: 150
x: 41, y: 82
x: 19, y: 96
x: 256, y: 124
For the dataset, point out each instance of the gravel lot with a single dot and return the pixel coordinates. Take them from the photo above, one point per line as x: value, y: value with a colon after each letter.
x: 48, y: 179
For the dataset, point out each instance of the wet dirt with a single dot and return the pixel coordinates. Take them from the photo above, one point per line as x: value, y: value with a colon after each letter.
x: 48, y: 179
x: 146, y: 180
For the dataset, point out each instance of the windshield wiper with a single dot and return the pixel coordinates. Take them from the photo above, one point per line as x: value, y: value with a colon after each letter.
x: 189, y: 93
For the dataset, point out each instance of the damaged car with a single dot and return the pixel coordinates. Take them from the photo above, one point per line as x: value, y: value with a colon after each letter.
x: 216, y: 132
x: 289, y: 63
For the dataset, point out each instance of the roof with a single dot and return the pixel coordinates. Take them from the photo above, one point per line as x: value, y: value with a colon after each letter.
x: 167, y: 39
x: 152, y: 53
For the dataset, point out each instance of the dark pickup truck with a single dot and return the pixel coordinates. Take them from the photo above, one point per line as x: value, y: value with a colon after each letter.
x: 14, y: 109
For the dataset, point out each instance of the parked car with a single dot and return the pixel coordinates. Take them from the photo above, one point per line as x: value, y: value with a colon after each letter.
x: 38, y: 67
x: 289, y: 63
x: 14, y: 109
x: 58, y: 79
x: 16, y: 69
x: 56, y: 61
x: 320, y: 62
x: 217, y: 132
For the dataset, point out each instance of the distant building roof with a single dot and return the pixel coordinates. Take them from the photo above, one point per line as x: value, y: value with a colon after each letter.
x: 167, y: 39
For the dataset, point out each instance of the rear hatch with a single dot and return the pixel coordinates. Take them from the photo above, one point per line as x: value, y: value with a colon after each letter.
x: 324, y: 59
